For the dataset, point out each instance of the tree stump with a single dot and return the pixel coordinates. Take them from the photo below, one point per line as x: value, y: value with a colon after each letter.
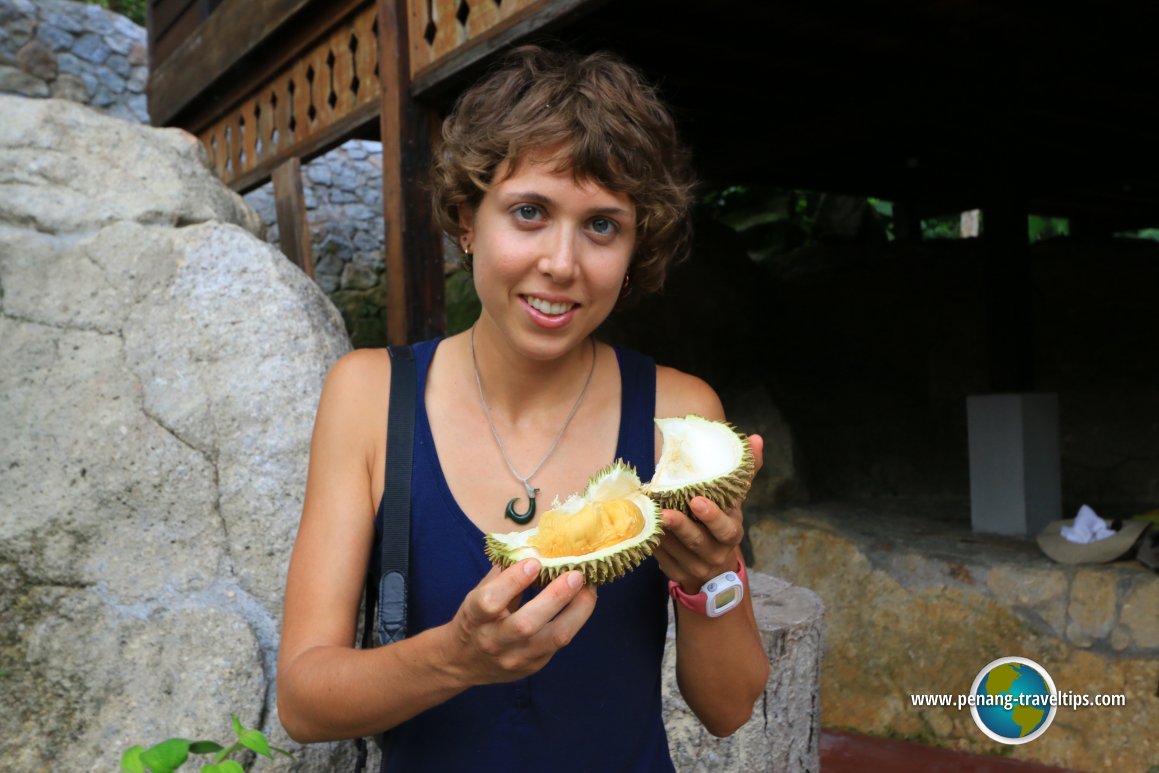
x: 784, y: 731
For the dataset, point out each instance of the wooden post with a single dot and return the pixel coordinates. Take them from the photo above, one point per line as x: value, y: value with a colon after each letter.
x: 1009, y: 295
x: 290, y: 204
x: 414, y: 251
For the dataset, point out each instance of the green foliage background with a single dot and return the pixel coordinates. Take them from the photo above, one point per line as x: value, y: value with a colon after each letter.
x: 134, y: 9
x: 779, y: 220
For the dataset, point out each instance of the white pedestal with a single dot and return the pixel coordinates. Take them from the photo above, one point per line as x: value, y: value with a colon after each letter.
x: 1015, y: 476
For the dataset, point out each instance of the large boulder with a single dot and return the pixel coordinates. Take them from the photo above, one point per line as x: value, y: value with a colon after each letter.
x: 159, y: 368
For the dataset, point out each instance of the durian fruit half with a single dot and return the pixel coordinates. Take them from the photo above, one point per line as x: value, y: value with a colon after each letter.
x: 701, y: 457
x: 605, y: 532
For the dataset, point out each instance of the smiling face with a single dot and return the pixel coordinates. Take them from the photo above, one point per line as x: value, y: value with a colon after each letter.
x: 550, y: 253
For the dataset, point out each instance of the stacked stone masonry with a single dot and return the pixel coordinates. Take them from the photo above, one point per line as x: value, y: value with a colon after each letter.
x: 74, y: 51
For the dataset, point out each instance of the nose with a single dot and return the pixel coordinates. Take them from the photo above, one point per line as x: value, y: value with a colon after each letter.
x: 560, y: 259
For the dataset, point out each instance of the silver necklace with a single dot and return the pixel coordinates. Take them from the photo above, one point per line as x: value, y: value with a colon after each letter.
x: 511, y: 512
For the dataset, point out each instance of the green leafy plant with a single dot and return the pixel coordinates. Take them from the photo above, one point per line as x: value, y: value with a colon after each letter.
x: 134, y: 9
x: 169, y: 755
x: 1039, y: 227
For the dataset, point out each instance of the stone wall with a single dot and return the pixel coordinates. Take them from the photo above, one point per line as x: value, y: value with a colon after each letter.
x: 915, y: 603
x: 74, y: 51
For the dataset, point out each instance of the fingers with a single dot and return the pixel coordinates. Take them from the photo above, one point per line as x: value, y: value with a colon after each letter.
x: 562, y: 629
x: 715, y: 525
x: 691, y: 553
x: 757, y: 444
x: 500, y: 645
x: 500, y: 591
x: 549, y: 602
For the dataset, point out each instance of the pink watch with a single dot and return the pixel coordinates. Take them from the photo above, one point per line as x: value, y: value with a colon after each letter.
x: 721, y: 594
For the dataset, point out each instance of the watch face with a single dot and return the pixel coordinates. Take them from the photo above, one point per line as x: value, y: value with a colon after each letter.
x: 723, y: 599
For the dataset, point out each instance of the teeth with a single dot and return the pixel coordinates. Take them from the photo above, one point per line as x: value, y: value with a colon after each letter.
x: 543, y: 306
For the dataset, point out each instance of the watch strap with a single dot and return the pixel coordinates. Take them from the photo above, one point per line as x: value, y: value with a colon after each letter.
x: 698, y: 602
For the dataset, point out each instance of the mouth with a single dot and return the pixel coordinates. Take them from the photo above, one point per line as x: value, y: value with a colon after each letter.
x: 550, y: 308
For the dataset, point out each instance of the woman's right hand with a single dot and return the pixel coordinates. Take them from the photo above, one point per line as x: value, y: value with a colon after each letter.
x: 498, y: 639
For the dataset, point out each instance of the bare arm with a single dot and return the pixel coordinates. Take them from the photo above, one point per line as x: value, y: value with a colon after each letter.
x: 721, y: 665
x: 328, y: 690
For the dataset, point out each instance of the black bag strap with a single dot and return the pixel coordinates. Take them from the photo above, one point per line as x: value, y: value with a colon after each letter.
x: 394, y: 547
x: 384, y: 616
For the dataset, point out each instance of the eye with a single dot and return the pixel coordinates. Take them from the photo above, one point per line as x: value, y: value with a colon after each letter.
x: 603, y: 226
x: 527, y: 212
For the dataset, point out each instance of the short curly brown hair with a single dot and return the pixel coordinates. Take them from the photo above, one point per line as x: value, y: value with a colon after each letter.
x: 610, y: 126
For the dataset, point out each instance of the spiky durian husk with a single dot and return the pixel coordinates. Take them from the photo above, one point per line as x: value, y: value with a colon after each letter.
x: 616, y: 481
x: 596, y: 572
x: 724, y: 491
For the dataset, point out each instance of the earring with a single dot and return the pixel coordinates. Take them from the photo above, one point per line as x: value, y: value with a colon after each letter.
x: 626, y: 289
x: 467, y: 262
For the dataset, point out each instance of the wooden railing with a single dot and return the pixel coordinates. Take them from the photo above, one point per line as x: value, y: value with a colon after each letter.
x: 332, y: 85
x: 438, y: 27
x: 329, y: 89
x: 447, y: 36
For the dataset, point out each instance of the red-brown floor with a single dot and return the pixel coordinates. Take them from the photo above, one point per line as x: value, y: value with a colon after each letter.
x: 853, y: 753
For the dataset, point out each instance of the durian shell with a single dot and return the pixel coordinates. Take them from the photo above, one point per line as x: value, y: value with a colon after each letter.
x: 724, y: 490
x: 618, y: 480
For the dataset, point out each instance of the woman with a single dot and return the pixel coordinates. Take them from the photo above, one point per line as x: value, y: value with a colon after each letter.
x: 562, y: 178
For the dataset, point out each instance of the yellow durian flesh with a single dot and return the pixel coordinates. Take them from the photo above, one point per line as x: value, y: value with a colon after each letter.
x: 596, y: 526
x: 604, y: 533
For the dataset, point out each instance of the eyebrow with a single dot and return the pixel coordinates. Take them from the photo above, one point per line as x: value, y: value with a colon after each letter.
x: 532, y: 197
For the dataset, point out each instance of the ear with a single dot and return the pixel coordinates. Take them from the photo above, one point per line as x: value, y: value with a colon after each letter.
x: 466, y: 225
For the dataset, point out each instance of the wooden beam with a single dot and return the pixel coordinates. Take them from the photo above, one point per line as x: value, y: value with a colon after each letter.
x: 290, y: 204
x: 414, y: 255
x: 231, y: 32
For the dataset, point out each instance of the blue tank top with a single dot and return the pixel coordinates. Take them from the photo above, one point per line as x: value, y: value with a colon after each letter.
x: 596, y: 705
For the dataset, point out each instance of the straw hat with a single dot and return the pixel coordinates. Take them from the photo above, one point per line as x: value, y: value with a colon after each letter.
x: 1101, y: 551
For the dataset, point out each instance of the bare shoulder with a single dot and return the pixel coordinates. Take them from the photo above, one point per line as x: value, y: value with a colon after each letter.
x: 679, y: 394
x: 354, y: 398
x: 359, y: 371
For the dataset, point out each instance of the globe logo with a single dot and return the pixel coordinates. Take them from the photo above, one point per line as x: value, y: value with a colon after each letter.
x: 1013, y: 700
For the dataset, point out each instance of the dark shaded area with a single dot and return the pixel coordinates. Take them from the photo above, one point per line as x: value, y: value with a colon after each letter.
x: 870, y: 351
x: 937, y: 103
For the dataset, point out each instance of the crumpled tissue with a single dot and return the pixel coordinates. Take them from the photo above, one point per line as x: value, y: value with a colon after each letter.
x: 1088, y: 527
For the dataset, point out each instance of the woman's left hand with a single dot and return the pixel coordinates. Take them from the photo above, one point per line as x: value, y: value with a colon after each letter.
x: 693, y: 553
